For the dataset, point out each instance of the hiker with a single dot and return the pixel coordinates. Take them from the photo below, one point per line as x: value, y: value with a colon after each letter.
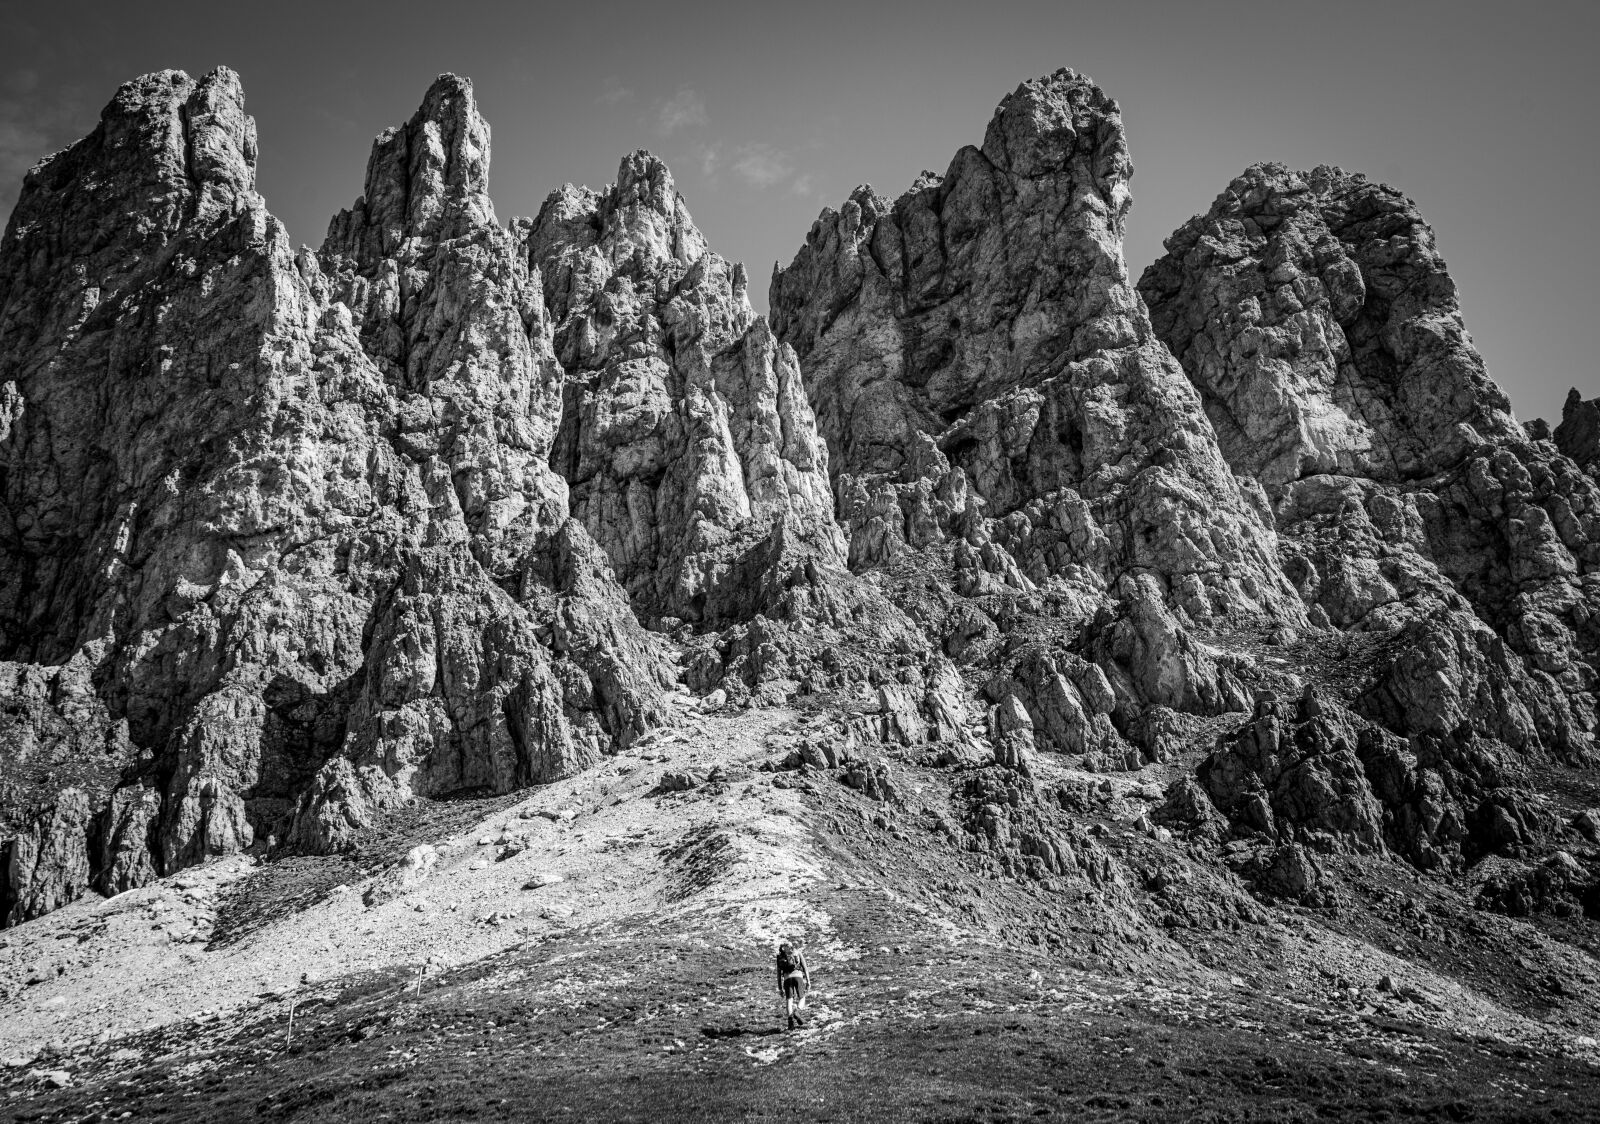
x: 794, y: 980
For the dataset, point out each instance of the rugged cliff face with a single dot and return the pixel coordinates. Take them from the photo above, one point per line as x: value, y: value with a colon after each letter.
x: 268, y: 520
x: 690, y: 447
x: 986, y: 373
x: 296, y: 537
x: 290, y: 538
x: 1316, y: 319
x: 150, y: 367
x: 1578, y: 433
x: 686, y: 432
x: 992, y: 395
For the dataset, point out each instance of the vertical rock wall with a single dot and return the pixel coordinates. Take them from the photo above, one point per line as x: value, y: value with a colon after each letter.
x: 686, y: 435
x: 993, y: 396
x: 1314, y: 315
x: 986, y: 374
x: 288, y: 518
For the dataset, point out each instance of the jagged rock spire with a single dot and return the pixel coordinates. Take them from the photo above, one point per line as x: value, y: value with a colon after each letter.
x: 1342, y: 347
x: 989, y: 386
x: 301, y: 530
x: 298, y: 510
x: 1578, y: 434
x: 1064, y: 124
x: 686, y: 430
x: 427, y: 179
x: 1314, y: 314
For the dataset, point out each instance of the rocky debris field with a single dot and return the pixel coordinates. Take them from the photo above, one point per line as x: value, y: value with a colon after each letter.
x: 619, y: 969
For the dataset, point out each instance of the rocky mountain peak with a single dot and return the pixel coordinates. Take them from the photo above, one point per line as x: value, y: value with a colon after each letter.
x: 427, y: 179
x: 1351, y: 351
x: 686, y: 434
x: 1052, y: 175
x: 647, y: 213
x: 175, y: 150
x: 1316, y: 317
x: 984, y: 565
x: 638, y: 230
x: 221, y: 136
x: 1578, y: 433
x: 311, y: 544
x: 1064, y: 124
x: 976, y: 347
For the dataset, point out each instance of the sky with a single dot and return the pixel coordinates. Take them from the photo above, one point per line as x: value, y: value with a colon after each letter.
x: 1483, y: 113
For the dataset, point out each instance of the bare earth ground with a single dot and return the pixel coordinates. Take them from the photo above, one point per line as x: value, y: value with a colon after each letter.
x: 639, y: 986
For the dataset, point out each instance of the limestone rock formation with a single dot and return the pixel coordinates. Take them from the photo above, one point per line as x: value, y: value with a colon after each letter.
x: 991, y: 391
x: 291, y: 538
x: 1315, y: 317
x: 281, y: 515
x: 1578, y: 434
x: 447, y: 310
x: 298, y: 536
x: 1310, y: 773
x: 63, y: 756
x: 686, y: 437
x: 686, y: 431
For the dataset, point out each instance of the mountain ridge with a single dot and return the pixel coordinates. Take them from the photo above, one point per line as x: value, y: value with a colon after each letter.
x: 973, y: 533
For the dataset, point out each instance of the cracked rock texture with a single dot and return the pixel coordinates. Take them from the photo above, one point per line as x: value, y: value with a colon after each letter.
x: 292, y: 538
x: 285, y: 512
x: 989, y: 386
x: 1314, y: 315
x: 1578, y: 434
x: 686, y: 435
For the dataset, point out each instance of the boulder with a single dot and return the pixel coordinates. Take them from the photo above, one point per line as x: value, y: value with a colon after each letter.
x: 406, y: 875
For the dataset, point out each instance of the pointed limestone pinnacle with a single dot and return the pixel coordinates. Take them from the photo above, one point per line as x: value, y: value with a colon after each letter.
x: 233, y: 406
x: 427, y: 179
x: 685, y: 426
x: 1314, y: 313
x: 975, y: 351
x: 639, y: 229
x: 168, y: 149
x: 1578, y: 434
x: 1064, y: 123
x: 222, y: 137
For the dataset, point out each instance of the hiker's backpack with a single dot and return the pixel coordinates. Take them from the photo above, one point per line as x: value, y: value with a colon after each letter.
x: 787, y: 962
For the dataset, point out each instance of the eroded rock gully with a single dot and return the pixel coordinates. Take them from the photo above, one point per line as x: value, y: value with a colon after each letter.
x: 293, y: 537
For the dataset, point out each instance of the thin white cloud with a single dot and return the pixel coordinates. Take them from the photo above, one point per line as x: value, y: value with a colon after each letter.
x: 710, y: 160
x: 804, y: 184
x: 684, y: 110
x: 615, y: 93
x: 762, y: 166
